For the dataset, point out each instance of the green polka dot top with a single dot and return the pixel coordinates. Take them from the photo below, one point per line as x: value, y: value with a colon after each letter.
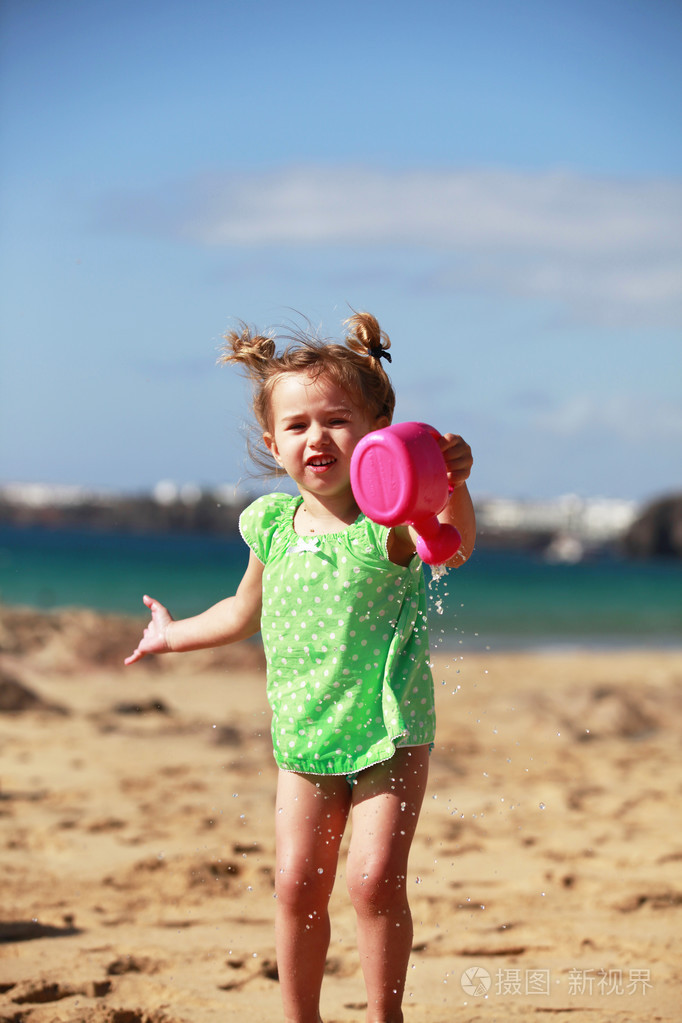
x: 346, y: 642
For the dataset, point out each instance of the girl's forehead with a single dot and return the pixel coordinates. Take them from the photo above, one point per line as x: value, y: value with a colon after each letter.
x: 303, y: 390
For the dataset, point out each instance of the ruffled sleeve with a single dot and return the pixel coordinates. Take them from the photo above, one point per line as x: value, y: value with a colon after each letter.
x: 378, y: 535
x: 260, y: 522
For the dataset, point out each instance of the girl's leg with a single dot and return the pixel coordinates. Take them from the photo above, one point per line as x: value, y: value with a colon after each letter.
x: 386, y: 804
x: 311, y: 816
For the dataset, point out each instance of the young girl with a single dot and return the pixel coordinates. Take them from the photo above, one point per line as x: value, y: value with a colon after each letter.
x: 341, y: 605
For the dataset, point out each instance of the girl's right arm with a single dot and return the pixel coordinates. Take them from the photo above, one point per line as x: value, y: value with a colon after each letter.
x: 229, y: 620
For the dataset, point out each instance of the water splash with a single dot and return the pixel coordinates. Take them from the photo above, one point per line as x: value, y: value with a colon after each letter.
x: 438, y: 571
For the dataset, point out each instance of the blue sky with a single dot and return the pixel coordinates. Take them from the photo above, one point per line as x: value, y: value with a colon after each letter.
x: 499, y: 182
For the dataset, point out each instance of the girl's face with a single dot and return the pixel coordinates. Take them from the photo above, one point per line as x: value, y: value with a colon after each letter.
x: 315, y: 427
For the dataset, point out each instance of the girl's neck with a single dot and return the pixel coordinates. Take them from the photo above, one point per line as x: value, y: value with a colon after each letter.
x: 316, y: 516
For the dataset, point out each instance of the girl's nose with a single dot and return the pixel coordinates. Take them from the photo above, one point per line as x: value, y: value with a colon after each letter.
x: 316, y: 434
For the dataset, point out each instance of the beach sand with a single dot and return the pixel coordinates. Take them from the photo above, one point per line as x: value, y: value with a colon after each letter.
x: 137, y: 837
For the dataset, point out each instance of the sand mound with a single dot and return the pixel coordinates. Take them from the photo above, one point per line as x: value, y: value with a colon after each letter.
x: 15, y: 697
x: 68, y: 640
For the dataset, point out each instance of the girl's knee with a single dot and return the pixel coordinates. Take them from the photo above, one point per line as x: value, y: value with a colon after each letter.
x: 302, y: 889
x: 374, y: 890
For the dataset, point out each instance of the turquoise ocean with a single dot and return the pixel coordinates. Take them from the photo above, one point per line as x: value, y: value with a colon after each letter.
x: 499, y: 600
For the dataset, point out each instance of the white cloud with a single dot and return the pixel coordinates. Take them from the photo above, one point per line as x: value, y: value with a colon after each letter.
x: 474, y: 209
x: 629, y: 417
x: 609, y: 250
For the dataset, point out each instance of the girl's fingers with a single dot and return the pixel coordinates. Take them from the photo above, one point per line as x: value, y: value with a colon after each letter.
x: 152, y: 638
x: 457, y: 455
x: 138, y: 653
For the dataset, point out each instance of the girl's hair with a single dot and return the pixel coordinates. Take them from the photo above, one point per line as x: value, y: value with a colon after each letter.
x: 355, y: 366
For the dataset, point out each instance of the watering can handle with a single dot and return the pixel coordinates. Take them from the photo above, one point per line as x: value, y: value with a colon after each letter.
x: 437, y: 541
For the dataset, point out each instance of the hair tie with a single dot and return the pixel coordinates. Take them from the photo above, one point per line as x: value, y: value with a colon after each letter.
x: 380, y: 353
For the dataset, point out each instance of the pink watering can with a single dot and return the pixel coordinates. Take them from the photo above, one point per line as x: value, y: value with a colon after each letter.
x: 398, y: 476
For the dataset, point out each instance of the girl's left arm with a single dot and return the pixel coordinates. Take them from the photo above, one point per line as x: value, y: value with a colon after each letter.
x: 459, y: 511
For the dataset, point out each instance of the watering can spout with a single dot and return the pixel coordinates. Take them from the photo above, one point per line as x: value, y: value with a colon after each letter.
x: 438, y: 541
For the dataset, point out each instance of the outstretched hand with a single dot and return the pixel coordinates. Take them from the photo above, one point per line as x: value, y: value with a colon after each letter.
x: 154, y: 639
x: 458, y: 458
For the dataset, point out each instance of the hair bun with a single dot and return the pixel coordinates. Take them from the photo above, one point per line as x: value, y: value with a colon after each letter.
x: 253, y: 351
x: 366, y: 337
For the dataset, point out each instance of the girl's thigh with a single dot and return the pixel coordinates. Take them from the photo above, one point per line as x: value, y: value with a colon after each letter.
x: 311, y: 816
x: 387, y: 800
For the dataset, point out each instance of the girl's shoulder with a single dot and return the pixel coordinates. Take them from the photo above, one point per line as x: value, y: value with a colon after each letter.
x: 259, y: 522
x: 271, y: 504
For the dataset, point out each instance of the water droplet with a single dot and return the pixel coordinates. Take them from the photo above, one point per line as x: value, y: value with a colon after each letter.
x: 320, y: 870
x: 542, y: 806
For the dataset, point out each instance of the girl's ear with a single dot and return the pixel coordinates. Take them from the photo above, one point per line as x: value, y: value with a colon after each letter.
x: 380, y: 422
x: 269, y: 441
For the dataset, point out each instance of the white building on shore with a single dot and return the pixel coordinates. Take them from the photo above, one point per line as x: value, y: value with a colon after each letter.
x: 575, y: 523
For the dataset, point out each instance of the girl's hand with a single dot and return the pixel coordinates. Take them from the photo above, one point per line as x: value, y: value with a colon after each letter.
x: 458, y: 458
x: 154, y: 639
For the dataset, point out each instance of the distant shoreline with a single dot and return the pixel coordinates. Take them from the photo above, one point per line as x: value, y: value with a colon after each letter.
x: 567, y: 529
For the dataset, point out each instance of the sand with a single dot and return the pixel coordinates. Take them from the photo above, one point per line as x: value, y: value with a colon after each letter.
x: 137, y: 849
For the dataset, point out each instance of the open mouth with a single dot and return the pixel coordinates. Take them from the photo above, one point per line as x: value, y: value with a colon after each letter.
x: 320, y: 463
